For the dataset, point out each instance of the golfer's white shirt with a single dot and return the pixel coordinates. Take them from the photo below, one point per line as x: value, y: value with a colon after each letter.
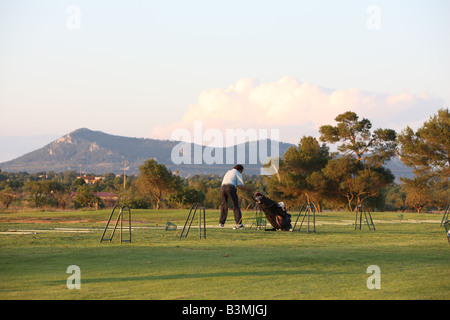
x: 233, y: 177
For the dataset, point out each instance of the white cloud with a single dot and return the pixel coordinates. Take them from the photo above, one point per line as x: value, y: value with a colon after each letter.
x: 297, y: 108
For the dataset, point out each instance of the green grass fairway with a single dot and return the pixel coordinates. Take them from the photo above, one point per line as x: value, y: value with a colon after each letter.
x: 36, y: 249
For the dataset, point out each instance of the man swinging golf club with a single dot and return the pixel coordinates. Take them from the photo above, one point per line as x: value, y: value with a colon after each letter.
x: 231, y: 181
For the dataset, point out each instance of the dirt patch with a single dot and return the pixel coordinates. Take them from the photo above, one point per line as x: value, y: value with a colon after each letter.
x: 31, y: 220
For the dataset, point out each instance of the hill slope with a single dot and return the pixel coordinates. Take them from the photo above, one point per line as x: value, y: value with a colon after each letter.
x: 97, y: 152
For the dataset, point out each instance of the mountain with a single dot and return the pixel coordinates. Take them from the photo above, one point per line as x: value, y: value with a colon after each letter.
x: 88, y: 151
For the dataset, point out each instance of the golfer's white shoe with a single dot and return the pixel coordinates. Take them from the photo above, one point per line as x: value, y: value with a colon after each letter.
x: 239, y: 226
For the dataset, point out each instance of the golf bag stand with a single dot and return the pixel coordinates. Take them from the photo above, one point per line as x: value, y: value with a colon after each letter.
x: 445, y: 216
x: 360, y: 209
x: 447, y: 230
x: 258, y: 219
x: 307, y: 209
x: 119, y: 218
x: 187, y: 225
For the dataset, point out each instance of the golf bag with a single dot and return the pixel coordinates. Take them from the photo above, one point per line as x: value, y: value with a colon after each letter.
x: 275, y: 212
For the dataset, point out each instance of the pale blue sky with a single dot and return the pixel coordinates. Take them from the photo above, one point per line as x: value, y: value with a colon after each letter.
x: 135, y: 65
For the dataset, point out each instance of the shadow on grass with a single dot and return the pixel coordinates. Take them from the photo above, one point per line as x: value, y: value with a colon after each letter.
x: 188, y: 276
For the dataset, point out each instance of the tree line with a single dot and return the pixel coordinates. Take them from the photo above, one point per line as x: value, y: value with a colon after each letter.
x: 308, y: 172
